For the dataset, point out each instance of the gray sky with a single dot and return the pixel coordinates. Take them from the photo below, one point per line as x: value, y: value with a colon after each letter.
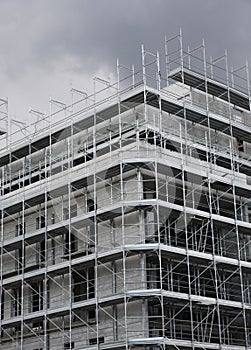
x: 47, y: 46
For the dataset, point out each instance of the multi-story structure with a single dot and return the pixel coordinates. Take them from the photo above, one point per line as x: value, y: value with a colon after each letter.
x: 126, y: 224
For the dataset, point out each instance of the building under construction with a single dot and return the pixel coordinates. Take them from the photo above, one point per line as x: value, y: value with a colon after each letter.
x: 126, y: 215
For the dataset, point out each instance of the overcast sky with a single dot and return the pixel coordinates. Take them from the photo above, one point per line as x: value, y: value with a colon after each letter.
x: 48, y: 46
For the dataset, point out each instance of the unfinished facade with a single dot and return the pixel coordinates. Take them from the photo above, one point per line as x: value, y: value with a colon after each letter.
x: 126, y: 216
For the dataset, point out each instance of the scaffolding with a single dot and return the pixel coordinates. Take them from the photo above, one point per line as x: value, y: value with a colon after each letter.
x: 126, y: 215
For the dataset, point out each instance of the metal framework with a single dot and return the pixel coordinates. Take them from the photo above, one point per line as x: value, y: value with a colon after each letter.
x: 126, y: 216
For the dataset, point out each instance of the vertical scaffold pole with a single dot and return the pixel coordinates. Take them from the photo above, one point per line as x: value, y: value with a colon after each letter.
x: 235, y: 203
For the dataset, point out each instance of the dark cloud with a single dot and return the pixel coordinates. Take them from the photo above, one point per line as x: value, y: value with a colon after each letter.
x: 48, y: 45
